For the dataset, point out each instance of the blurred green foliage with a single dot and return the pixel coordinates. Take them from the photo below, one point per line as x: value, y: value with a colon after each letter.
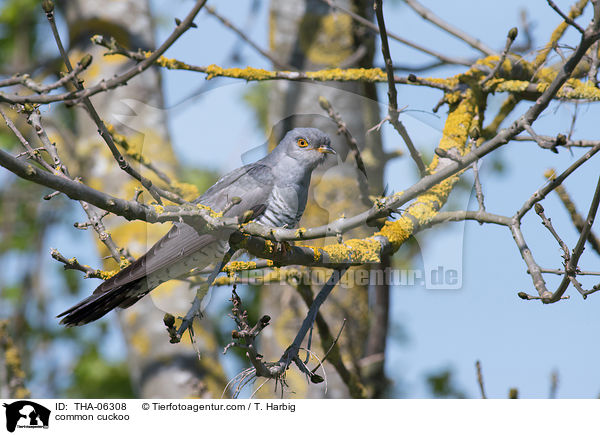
x: 257, y: 98
x: 201, y: 178
x: 18, y: 36
x: 442, y: 384
x: 18, y: 211
x: 95, y: 377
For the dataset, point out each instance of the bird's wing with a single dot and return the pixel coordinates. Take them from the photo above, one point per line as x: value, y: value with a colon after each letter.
x: 251, y: 183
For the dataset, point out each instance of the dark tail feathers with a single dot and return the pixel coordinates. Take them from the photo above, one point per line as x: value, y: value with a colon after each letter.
x: 98, y: 304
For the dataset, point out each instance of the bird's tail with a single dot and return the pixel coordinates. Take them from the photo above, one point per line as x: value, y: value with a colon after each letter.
x: 101, y: 302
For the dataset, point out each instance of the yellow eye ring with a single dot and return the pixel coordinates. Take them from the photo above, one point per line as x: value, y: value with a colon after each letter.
x: 302, y: 143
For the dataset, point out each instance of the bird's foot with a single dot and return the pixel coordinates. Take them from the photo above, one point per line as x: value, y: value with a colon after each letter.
x: 187, y: 321
x: 281, y: 249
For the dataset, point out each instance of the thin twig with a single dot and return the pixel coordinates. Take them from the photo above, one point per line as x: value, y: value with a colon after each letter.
x: 576, y: 10
x: 478, y: 188
x: 577, y: 286
x: 26, y: 81
x: 480, y: 379
x: 553, y: 384
x: 510, y: 38
x: 532, y: 267
x: 575, y: 216
x: 541, y: 193
x: 540, y: 141
x: 392, y: 94
x: 35, y: 120
x: 278, y: 64
x: 95, y: 218
x: 123, y: 164
x: 562, y: 272
x: 548, y: 224
x: 431, y: 17
x: 593, y: 290
x: 565, y: 17
x: 118, y: 80
x: 529, y: 297
x: 29, y: 151
x: 342, y: 128
x: 73, y: 264
x: 571, y: 265
x: 549, y: 142
x: 330, y: 347
x: 374, y: 28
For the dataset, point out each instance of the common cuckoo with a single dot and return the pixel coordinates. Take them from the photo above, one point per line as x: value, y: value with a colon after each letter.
x: 275, y: 188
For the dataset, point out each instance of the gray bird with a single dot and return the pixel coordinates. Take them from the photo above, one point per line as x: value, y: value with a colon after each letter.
x: 275, y: 188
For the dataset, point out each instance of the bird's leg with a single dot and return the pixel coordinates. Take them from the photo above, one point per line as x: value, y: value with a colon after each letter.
x: 196, y: 308
x: 281, y: 249
x: 309, y: 344
x: 291, y: 353
x: 188, y: 319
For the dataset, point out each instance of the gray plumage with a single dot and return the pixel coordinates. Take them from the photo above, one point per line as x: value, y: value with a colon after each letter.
x: 275, y: 188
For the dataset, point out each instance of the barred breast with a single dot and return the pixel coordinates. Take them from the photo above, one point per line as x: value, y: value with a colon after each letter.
x: 285, y: 207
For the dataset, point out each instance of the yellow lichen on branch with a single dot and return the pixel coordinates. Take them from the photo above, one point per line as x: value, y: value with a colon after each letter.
x: 237, y: 266
x: 165, y: 62
x: 573, y: 89
x: 353, y: 251
x: 461, y: 118
x: 333, y: 74
x: 349, y: 74
x: 576, y: 11
x: 277, y: 275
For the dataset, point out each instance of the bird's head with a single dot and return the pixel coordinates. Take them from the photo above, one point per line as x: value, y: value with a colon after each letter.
x: 308, y: 146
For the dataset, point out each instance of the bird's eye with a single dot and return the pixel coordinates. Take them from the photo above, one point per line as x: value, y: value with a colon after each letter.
x: 302, y: 143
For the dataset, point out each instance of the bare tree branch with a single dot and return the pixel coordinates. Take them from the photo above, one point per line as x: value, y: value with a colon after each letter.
x: 392, y: 94
x: 510, y: 38
x: 571, y: 264
x: 431, y: 17
x: 374, y: 28
x: 278, y: 64
x: 363, y: 186
x: 480, y: 379
x: 565, y: 17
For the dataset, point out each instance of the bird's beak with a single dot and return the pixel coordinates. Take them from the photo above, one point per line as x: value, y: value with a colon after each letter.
x: 325, y: 149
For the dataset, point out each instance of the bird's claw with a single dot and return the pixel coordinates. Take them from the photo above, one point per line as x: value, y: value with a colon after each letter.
x: 281, y: 249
